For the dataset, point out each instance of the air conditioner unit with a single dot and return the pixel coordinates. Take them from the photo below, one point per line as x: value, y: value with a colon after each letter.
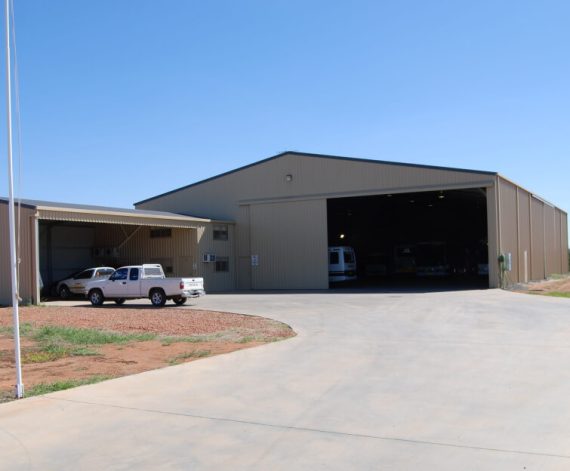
x: 208, y: 257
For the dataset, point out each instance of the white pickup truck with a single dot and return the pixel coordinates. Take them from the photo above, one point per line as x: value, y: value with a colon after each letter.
x: 143, y: 281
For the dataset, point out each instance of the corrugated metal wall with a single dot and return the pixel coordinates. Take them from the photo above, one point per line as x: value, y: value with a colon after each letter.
x: 243, y: 246
x: 290, y: 243
x: 311, y: 176
x: 528, y: 224
x: 564, y: 237
x: 64, y: 249
x: 216, y: 280
x: 135, y: 246
x: 492, y: 235
x: 551, y: 250
x: 537, y: 239
x: 524, y: 261
x: 508, y: 220
x: 27, y: 254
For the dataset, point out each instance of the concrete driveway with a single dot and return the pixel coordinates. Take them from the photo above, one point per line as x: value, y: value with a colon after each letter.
x: 471, y: 380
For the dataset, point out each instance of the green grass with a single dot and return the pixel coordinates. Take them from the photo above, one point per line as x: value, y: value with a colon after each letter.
x: 55, y: 352
x: 558, y: 294
x: 557, y: 276
x: 71, y: 335
x: 25, y: 329
x: 166, y: 341
x: 55, y: 342
x: 44, y: 388
x: 185, y: 356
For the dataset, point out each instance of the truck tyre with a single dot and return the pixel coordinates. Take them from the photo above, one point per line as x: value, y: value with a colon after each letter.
x: 157, y: 297
x: 96, y: 297
x: 179, y: 301
x: 119, y: 301
x: 64, y: 292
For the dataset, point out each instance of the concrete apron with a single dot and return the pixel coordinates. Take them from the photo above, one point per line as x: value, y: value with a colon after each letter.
x: 442, y: 381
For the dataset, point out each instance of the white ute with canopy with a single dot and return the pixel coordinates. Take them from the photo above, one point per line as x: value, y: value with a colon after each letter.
x: 143, y: 281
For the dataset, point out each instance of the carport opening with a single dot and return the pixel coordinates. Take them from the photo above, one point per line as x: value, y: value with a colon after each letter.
x: 67, y: 247
x: 435, y: 239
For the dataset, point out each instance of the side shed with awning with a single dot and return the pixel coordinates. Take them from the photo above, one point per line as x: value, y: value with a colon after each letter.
x: 58, y: 239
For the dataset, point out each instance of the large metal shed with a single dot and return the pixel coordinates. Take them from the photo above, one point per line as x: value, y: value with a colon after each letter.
x: 57, y: 239
x: 288, y: 207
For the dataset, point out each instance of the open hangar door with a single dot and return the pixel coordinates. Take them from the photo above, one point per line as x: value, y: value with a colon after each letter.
x: 67, y: 247
x: 423, y: 240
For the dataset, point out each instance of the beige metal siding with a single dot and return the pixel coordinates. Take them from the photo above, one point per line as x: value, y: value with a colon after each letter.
x: 557, y: 242
x: 243, y: 248
x: 313, y: 177
x: 509, y: 227
x: 537, y: 247
x: 564, y: 238
x: 524, y: 235
x: 493, y: 236
x: 550, y: 248
x: 27, y: 254
x: 529, y: 224
x: 135, y: 246
x: 290, y: 241
x: 213, y: 280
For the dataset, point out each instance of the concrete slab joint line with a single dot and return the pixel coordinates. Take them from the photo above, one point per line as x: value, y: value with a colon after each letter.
x: 313, y: 430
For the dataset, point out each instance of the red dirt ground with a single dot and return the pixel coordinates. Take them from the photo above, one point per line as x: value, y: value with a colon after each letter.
x: 221, y: 333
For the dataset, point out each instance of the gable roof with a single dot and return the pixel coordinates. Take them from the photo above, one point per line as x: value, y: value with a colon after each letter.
x: 320, y: 156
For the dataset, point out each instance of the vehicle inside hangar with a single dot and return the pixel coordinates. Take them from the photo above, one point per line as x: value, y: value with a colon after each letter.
x: 432, y: 238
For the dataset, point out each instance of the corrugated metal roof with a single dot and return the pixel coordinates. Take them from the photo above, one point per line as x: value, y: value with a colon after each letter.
x: 88, y: 213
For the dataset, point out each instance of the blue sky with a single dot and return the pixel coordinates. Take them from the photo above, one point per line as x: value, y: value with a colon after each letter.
x: 123, y: 100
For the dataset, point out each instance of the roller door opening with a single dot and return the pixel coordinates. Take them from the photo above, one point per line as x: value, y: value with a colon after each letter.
x: 427, y: 240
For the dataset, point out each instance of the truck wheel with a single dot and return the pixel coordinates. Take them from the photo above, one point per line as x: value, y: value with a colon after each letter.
x: 179, y: 301
x: 157, y: 298
x: 96, y: 297
x: 119, y: 301
x: 64, y: 292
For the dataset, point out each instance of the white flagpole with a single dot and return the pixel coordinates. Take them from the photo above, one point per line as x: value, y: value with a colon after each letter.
x: 19, y: 389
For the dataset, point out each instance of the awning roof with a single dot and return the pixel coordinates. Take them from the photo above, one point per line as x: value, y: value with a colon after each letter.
x: 52, y: 211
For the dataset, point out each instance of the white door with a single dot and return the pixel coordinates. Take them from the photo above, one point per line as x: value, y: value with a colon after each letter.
x: 133, y: 283
x: 116, y: 284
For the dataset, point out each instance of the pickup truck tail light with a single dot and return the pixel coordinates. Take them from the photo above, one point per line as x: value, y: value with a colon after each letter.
x: 181, y: 285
